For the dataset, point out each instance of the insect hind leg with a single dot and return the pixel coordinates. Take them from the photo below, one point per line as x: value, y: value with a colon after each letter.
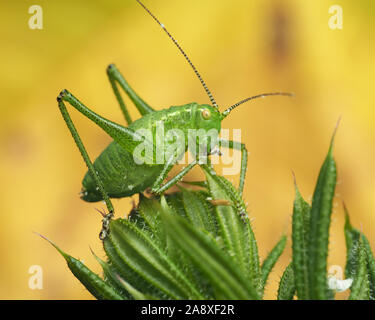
x: 115, y: 76
x: 106, y: 220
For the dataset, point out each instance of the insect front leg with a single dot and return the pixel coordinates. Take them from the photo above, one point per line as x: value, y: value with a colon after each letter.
x: 159, y: 187
x: 115, y: 76
x: 86, y: 158
x: 241, y: 147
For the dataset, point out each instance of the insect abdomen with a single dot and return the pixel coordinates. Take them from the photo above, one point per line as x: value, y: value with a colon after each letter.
x: 120, y: 175
x: 116, y: 167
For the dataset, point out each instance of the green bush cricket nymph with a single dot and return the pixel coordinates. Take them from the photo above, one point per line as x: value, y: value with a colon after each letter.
x: 115, y: 174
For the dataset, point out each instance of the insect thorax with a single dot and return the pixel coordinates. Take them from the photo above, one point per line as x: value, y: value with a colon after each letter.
x: 184, y: 123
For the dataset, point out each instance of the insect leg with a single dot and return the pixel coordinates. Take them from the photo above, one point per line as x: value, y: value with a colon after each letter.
x: 158, y: 188
x: 89, y: 164
x: 125, y: 137
x: 241, y: 147
x: 115, y: 77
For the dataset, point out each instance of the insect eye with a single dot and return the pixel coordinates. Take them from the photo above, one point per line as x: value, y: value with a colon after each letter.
x: 206, y: 114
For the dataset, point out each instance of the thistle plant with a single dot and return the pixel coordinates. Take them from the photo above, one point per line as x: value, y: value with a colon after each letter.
x: 198, y: 243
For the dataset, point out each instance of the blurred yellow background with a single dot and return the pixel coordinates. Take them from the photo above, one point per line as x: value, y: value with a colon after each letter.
x: 241, y: 48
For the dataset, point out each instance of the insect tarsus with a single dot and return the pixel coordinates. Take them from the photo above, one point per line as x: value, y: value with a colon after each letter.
x: 105, y: 226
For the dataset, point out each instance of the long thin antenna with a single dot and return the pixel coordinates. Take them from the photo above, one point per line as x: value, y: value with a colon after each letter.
x: 263, y: 95
x: 183, y: 53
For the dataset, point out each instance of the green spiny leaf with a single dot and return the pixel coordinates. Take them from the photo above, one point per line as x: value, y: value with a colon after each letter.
x: 352, y: 237
x: 360, y: 289
x: 301, y: 214
x: 370, y: 265
x: 360, y: 262
x: 138, y: 295
x: 127, y: 272
x: 287, y: 286
x: 253, y: 259
x: 149, y: 210
x: 92, y: 282
x: 272, y: 258
x: 112, y: 278
x: 176, y: 203
x: 197, y: 211
x: 320, y: 218
x: 138, y: 250
x: 237, y: 235
x: 174, y: 251
x: 222, y: 270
